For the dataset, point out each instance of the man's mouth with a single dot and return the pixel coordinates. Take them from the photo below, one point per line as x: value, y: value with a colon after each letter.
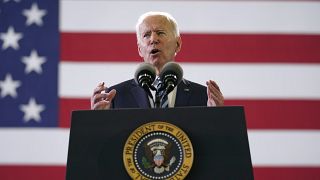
x: 154, y: 51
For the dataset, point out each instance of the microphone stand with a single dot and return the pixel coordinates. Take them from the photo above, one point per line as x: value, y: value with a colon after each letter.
x: 157, y: 101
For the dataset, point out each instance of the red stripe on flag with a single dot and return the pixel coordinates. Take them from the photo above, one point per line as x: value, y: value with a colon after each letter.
x: 260, y: 114
x: 280, y: 114
x: 292, y: 173
x: 58, y: 172
x: 196, y: 47
x: 99, y: 47
x: 18, y: 172
x: 69, y: 105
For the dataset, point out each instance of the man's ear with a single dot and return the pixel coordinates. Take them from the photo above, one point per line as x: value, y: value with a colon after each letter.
x: 139, y: 50
x: 179, y: 43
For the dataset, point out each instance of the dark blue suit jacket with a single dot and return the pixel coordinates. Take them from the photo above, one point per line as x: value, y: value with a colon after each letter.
x: 131, y: 95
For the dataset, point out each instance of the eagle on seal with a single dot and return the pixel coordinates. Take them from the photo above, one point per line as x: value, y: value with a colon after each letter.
x: 157, y: 152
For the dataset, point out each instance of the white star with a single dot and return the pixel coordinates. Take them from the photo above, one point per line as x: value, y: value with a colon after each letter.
x: 9, y: 86
x: 34, y: 15
x: 10, y: 39
x: 33, y: 62
x: 32, y: 110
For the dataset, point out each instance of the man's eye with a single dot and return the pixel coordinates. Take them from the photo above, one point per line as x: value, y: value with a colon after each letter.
x: 146, y: 35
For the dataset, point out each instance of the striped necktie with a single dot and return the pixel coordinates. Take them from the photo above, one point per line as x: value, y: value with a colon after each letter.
x: 164, y: 103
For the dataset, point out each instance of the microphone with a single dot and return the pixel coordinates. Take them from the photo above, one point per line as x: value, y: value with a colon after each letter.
x: 144, y: 76
x: 171, y: 75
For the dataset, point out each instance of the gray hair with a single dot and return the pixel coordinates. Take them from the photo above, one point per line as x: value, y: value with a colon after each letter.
x: 169, y: 17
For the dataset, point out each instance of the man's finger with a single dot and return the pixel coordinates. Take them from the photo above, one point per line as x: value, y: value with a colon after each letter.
x: 213, y: 83
x: 214, y: 94
x: 213, y: 89
x: 100, y: 97
x: 99, y: 88
x: 101, y: 105
x: 111, y: 94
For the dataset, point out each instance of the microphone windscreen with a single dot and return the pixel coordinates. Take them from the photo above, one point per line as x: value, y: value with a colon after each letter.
x: 144, y: 68
x: 172, y: 68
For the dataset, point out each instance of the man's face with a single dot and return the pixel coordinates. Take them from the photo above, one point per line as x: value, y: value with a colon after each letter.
x: 158, y: 43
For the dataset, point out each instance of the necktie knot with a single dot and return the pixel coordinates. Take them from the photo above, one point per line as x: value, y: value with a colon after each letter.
x: 157, y: 83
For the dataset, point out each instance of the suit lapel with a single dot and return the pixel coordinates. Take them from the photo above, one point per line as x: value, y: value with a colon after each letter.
x: 140, y: 96
x: 183, y: 94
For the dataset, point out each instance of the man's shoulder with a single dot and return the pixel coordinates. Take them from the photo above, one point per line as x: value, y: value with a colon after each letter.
x: 124, y: 84
x: 193, y: 84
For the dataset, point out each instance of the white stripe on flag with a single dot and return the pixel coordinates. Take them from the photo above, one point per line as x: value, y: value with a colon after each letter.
x: 41, y: 146
x: 285, y: 148
x: 237, y: 81
x: 268, y: 147
x: 207, y: 16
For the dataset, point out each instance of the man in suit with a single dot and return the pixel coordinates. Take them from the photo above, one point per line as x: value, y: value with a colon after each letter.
x: 158, y: 41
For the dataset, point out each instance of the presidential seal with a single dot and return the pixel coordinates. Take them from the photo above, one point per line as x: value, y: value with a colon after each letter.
x: 158, y: 150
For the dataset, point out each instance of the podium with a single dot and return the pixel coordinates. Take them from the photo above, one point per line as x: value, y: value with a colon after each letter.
x: 218, y: 136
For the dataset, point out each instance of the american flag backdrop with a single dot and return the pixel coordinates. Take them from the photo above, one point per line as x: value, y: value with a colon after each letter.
x: 265, y: 55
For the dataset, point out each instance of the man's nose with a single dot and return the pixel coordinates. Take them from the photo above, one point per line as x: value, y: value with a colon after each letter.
x: 154, y: 38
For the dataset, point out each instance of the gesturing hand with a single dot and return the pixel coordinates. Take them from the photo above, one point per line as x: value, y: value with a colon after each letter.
x: 100, y: 99
x: 215, y: 97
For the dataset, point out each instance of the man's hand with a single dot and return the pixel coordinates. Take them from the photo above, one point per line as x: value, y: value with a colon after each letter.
x: 100, y: 99
x: 215, y: 97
